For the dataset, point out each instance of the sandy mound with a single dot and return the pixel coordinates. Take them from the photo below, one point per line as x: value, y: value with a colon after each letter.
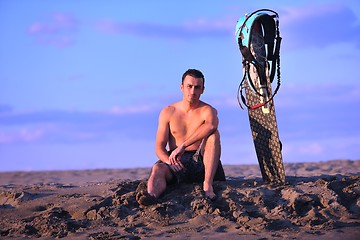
x: 318, y: 207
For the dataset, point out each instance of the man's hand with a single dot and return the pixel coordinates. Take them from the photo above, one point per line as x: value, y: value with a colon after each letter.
x: 175, y: 158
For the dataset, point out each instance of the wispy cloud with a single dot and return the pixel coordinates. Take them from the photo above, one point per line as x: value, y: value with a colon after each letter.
x: 117, y: 110
x: 326, y: 149
x: 320, y: 111
x: 315, y: 123
x: 195, y: 28
x: 318, y: 95
x: 59, y: 30
x: 319, y: 25
x: 76, y: 126
x: 5, y: 108
x: 22, y: 135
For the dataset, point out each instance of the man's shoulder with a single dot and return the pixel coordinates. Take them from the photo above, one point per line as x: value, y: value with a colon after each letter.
x: 208, y: 107
x: 170, y: 109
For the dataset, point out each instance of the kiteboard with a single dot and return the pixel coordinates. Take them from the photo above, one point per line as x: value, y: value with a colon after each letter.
x: 259, y: 41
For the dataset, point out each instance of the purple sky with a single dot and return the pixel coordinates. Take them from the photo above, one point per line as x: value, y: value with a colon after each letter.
x: 82, y: 82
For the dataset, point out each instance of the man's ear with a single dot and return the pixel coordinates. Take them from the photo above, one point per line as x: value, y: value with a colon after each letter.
x: 182, y: 87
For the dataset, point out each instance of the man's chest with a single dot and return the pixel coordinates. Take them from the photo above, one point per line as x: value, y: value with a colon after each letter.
x: 182, y: 124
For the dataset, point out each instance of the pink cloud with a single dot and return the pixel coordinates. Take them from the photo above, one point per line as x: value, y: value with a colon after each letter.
x: 61, y: 41
x: 116, y: 110
x: 317, y: 95
x: 291, y: 14
x: 60, y: 30
x: 75, y: 126
x: 60, y: 22
x: 312, y: 148
x: 108, y: 26
x: 190, y: 29
x: 24, y: 135
x: 319, y: 25
x: 226, y: 23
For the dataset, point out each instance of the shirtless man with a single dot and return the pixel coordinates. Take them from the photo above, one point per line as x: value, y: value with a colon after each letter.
x: 189, y: 129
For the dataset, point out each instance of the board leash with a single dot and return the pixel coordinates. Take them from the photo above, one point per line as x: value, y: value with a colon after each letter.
x: 273, y: 54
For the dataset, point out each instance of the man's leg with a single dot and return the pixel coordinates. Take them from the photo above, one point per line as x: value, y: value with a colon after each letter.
x: 211, y: 157
x: 159, y: 176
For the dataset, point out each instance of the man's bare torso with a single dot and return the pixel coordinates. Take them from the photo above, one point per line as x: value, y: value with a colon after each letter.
x: 182, y: 124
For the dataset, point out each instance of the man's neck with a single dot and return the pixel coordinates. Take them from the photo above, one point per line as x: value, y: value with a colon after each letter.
x: 188, y: 106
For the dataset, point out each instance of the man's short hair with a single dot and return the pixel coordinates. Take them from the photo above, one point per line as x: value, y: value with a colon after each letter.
x: 194, y: 73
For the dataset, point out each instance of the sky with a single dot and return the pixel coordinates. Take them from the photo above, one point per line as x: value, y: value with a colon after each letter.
x: 82, y: 82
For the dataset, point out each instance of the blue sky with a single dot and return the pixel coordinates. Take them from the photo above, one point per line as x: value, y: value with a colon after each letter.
x: 82, y: 82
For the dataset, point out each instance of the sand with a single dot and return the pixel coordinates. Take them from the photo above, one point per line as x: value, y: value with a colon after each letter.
x: 319, y: 201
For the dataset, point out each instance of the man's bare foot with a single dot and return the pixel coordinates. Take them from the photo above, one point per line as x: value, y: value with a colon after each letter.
x: 210, y: 196
x: 209, y: 192
x: 143, y: 197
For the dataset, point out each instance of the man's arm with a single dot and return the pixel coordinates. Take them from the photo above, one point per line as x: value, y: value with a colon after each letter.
x: 162, y: 135
x: 162, y: 139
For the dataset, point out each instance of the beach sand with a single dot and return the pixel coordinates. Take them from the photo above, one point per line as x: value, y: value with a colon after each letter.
x: 319, y: 201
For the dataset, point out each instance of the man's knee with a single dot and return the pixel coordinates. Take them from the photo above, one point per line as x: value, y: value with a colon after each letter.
x: 160, y: 169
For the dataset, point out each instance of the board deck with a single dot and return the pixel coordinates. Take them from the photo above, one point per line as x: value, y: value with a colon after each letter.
x: 263, y: 122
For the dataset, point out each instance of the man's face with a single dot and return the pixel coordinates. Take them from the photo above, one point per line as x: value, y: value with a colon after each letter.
x: 192, y: 88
